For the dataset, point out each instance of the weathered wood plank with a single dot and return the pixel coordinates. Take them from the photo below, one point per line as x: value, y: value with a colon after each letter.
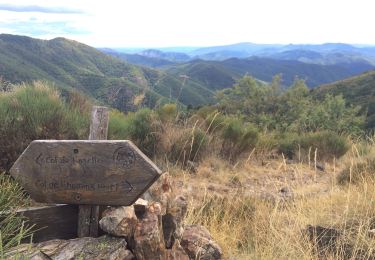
x: 85, y: 172
x: 88, y: 216
x: 99, y: 123
x: 84, y: 220
x: 52, y: 222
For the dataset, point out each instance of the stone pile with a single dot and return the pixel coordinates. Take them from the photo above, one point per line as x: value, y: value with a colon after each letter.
x: 146, y: 230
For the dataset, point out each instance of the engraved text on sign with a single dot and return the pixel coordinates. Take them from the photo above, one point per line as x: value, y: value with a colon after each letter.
x: 85, y: 172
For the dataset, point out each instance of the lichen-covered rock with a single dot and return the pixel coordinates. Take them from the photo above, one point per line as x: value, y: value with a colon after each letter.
x: 198, y: 243
x: 105, y: 247
x: 177, y: 253
x: 120, y: 221
x: 148, y: 235
x: 38, y: 255
x: 173, y: 220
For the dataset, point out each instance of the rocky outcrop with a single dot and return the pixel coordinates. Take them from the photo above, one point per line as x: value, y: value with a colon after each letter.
x: 159, y: 231
x: 198, y: 243
x: 119, y: 221
x: 145, y: 230
x: 148, y: 235
x: 172, y: 221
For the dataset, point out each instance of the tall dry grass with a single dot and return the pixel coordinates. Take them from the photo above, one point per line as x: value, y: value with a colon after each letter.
x: 248, y: 227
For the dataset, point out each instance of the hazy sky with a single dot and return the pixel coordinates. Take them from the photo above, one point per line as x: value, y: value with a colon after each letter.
x: 161, y: 23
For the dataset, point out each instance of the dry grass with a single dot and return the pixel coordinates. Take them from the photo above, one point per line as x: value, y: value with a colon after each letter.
x: 265, y: 225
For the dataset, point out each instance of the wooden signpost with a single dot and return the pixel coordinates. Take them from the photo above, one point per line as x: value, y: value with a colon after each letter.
x: 88, y: 215
x: 85, y: 172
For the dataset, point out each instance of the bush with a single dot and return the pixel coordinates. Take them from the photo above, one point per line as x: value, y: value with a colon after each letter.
x: 267, y: 144
x: 167, y: 112
x: 190, y: 146
x: 327, y: 144
x: 118, y: 126
x: 214, y: 122
x: 36, y: 111
x: 360, y: 171
x: 237, y: 138
x: 140, y: 127
x: 12, y: 226
x: 288, y: 144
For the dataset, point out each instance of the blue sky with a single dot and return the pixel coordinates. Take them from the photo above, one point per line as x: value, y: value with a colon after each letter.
x: 162, y: 23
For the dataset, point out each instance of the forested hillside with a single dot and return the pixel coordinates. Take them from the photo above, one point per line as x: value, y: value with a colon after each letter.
x: 210, y: 72
x: 358, y: 90
x: 72, y: 65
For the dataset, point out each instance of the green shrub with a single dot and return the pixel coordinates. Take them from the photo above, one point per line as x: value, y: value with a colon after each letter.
x: 288, y: 144
x: 167, y: 112
x: 12, y: 226
x: 232, y: 130
x: 237, y: 138
x: 140, y: 127
x: 36, y: 111
x: 190, y: 147
x: 214, y: 121
x: 249, y: 138
x: 327, y: 144
x: 361, y: 171
x: 267, y: 144
x: 205, y: 111
x: 118, y: 126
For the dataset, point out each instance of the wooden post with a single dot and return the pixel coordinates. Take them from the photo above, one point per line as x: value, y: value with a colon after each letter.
x: 88, y: 215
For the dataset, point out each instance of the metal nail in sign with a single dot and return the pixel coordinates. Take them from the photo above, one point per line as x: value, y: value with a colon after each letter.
x: 96, y: 172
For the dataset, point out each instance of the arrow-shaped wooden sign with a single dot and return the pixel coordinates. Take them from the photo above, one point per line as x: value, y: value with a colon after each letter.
x: 85, y: 172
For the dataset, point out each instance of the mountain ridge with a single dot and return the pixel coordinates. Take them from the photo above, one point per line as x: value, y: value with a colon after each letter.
x: 73, y: 65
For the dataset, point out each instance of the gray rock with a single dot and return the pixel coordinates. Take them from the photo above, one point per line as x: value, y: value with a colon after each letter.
x: 198, y: 243
x: 321, y: 167
x: 172, y: 221
x: 105, y: 247
x: 324, y: 239
x: 148, y: 235
x: 120, y: 221
x: 38, y: 255
x: 177, y: 253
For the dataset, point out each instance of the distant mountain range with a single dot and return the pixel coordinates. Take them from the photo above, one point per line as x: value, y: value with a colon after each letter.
x: 325, y: 54
x: 217, y: 74
x: 216, y: 67
x: 158, y: 76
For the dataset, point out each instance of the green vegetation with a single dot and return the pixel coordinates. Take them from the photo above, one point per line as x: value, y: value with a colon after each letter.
x: 292, y: 110
x: 326, y: 144
x: 191, y: 146
x: 36, y: 111
x: 357, y: 91
x: 251, y: 119
x: 12, y: 226
x: 72, y: 65
x: 263, y: 118
x: 237, y: 138
x: 222, y: 74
